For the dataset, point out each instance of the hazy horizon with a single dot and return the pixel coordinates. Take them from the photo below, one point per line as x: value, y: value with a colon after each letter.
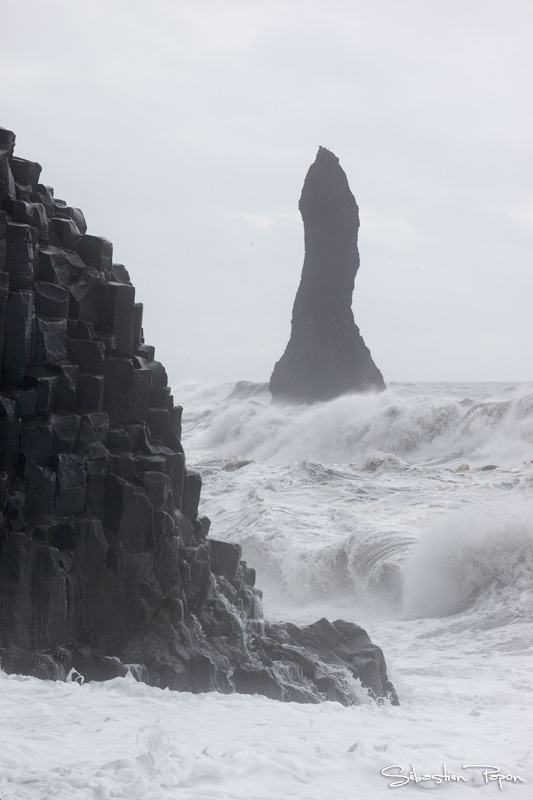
x: 184, y: 132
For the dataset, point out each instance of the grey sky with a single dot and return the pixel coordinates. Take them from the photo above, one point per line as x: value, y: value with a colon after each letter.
x: 184, y: 131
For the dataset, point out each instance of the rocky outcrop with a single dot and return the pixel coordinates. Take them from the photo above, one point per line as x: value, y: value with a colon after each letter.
x: 105, y: 562
x: 326, y: 355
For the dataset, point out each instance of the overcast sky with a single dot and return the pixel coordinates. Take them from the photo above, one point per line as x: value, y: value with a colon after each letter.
x: 184, y: 130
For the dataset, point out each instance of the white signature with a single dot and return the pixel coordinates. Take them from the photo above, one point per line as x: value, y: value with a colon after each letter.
x: 489, y: 773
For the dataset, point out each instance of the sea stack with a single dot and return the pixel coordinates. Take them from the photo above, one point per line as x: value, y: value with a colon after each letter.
x: 326, y: 355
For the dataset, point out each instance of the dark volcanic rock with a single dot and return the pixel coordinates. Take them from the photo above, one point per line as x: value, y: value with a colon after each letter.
x: 105, y: 564
x: 326, y: 355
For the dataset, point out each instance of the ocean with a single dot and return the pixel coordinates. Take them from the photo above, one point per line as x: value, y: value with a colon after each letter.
x: 409, y: 512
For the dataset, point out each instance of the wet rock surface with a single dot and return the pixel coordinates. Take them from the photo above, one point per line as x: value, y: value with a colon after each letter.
x: 105, y: 564
x: 326, y: 355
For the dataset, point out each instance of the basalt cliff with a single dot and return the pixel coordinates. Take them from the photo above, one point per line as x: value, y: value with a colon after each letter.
x: 326, y: 355
x: 106, y: 565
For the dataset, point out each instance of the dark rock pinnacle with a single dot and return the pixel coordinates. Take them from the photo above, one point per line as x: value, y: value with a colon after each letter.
x: 326, y: 355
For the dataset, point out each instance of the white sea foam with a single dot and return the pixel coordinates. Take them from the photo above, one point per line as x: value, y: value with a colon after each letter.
x: 480, y: 556
x: 372, y: 508
x: 399, y: 501
x: 492, y: 423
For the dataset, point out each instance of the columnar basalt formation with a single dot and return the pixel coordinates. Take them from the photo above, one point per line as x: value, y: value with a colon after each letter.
x: 105, y: 563
x: 326, y: 355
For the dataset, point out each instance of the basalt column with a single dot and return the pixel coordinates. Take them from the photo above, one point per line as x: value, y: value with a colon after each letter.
x: 106, y: 565
x: 326, y: 355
